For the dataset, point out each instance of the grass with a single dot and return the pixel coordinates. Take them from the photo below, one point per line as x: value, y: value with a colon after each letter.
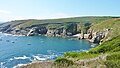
x: 111, y: 48
x: 30, y: 22
x: 114, y: 24
x: 113, y: 60
x: 79, y: 55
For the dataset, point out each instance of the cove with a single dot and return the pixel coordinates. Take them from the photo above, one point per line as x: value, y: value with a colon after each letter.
x: 16, y: 50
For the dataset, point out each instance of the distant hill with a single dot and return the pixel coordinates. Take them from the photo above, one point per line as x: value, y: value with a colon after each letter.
x: 30, y: 22
x: 22, y: 27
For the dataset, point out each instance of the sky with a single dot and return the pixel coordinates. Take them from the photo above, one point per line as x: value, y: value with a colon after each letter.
x: 50, y: 9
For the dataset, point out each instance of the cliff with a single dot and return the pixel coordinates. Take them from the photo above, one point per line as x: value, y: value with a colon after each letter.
x: 105, y: 30
x: 95, y: 29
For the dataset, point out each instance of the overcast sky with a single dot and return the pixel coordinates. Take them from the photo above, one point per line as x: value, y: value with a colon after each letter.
x: 49, y: 9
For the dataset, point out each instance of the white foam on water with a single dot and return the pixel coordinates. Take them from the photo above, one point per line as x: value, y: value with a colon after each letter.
x: 44, y: 57
x: 93, y: 45
x: 11, y: 59
x: 19, y: 65
x: 18, y: 35
x: 6, y: 34
x: 2, y: 66
x: 24, y: 57
x: 38, y: 58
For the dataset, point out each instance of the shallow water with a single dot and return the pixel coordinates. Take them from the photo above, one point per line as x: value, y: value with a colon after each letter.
x: 16, y: 50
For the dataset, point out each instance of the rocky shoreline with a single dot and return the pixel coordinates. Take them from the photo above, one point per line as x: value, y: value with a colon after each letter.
x: 94, y: 37
x: 77, y: 64
x: 68, y: 29
x: 37, y: 64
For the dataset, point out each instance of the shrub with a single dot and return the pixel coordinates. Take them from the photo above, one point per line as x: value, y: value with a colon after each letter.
x: 114, y: 56
x: 107, y: 46
x: 113, y: 60
x: 112, y: 64
x: 63, y: 62
x: 71, y: 54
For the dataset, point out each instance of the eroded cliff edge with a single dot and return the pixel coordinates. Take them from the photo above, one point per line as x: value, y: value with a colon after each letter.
x: 94, y: 29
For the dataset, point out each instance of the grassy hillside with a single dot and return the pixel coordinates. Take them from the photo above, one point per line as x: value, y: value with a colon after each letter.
x: 27, y: 23
x: 113, y: 24
x: 110, y: 48
x: 106, y: 54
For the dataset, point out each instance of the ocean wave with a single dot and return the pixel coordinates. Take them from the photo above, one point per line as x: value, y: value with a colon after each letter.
x: 23, y: 57
x: 2, y: 65
x: 93, y: 45
x: 27, y: 59
x: 18, y: 35
x: 11, y: 59
x: 6, y: 34
x: 38, y: 58
x: 18, y: 65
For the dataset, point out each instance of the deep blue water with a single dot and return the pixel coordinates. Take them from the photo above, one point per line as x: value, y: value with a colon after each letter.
x: 16, y: 50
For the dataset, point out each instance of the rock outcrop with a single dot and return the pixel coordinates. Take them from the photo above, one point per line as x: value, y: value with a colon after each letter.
x: 62, y: 31
x: 37, y: 31
x: 97, y: 37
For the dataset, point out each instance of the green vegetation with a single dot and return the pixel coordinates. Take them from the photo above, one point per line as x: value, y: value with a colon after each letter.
x: 113, y: 24
x: 63, y: 62
x: 79, y: 55
x: 54, y: 26
x: 112, y: 45
x: 113, y: 60
x: 84, y: 26
x: 111, y: 48
x: 30, y: 22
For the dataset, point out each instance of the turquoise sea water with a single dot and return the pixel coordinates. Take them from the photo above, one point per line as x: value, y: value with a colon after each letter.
x: 16, y: 50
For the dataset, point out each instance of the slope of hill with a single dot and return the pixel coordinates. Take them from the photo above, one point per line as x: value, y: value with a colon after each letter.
x: 105, y: 55
x: 112, y: 25
x: 26, y: 25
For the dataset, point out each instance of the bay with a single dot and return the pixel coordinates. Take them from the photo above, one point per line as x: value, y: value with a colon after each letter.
x: 16, y: 50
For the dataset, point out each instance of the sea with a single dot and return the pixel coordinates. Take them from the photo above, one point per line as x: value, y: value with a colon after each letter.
x: 19, y: 50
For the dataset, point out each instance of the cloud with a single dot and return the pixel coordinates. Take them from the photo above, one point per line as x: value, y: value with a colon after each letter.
x: 5, y: 12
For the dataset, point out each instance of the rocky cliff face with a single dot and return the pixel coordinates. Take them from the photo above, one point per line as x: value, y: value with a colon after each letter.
x: 62, y: 31
x: 38, y: 30
x: 95, y: 36
x: 55, y: 29
x: 95, y: 32
x: 98, y: 37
